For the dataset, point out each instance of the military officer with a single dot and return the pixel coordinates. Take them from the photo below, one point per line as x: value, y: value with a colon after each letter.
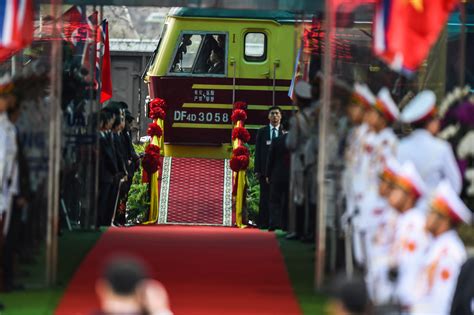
x: 411, y: 239
x: 422, y: 145
x: 446, y: 254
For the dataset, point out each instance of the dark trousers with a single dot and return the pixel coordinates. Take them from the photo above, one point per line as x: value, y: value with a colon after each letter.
x: 279, y: 205
x: 105, y: 190
x: 263, y: 213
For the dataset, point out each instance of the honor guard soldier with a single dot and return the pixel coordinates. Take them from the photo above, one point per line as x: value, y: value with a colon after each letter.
x: 433, y: 157
x: 8, y: 152
x: 381, y: 238
x: 361, y: 102
x: 446, y: 254
x: 411, y: 238
x: 380, y: 144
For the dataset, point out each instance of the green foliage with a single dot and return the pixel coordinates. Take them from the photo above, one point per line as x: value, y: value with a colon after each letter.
x: 253, y: 188
x: 138, y: 203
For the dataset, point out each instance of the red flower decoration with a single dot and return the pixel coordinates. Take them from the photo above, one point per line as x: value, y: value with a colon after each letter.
x: 150, y: 164
x: 157, y: 103
x: 154, y: 130
x: 241, y: 150
x: 157, y: 113
x: 152, y: 150
x: 241, y: 133
x: 239, y: 163
x: 238, y: 114
x: 240, y: 105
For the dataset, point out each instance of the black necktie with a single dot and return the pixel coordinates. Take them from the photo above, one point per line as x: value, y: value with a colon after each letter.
x: 274, y: 133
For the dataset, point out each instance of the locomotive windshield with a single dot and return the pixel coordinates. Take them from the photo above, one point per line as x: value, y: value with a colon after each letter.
x: 200, y: 53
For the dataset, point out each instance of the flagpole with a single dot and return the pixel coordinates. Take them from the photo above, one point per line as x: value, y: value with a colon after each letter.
x: 54, y: 150
x: 323, y: 131
x: 462, y: 44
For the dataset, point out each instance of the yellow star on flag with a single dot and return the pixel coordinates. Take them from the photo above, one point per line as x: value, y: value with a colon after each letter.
x: 417, y: 4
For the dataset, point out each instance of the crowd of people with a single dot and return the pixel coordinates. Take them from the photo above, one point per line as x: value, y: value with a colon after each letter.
x: 118, y: 162
x: 403, y: 204
x: 402, y: 194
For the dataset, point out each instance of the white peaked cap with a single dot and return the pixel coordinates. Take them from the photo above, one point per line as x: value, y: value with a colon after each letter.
x: 419, y: 108
x: 392, y: 165
x: 5, y: 79
x: 410, y: 179
x: 445, y: 199
x: 364, y: 92
x: 390, y: 109
x: 303, y: 90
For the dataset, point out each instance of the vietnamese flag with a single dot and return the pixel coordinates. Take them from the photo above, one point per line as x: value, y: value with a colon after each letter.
x: 405, y: 30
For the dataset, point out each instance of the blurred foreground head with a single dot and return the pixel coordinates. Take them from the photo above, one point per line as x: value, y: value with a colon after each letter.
x: 125, y: 288
x: 349, y: 297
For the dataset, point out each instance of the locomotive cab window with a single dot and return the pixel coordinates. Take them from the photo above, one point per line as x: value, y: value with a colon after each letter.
x: 200, y: 54
x: 255, y: 47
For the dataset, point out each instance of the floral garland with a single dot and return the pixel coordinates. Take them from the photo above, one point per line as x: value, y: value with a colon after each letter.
x: 240, y: 159
x: 154, y: 130
x: 241, y: 133
x: 238, y: 114
x: 240, y: 155
x: 151, y: 160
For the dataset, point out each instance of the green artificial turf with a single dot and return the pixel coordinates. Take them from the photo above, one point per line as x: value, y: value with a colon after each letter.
x: 72, y: 248
x: 300, y: 265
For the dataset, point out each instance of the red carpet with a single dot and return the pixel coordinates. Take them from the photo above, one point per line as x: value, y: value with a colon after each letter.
x: 206, y: 270
x: 196, y: 192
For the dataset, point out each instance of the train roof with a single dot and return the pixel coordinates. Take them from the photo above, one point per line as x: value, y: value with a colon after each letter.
x: 272, y: 15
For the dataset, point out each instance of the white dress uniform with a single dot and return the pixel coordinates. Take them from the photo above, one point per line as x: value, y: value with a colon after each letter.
x: 381, y: 146
x: 10, y: 172
x: 3, y: 154
x: 362, y: 96
x: 411, y: 238
x: 381, y: 238
x: 433, y: 157
x: 438, y: 278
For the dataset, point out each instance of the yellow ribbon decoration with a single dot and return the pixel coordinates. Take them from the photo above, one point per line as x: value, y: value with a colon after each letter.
x: 154, y: 193
x: 240, y: 177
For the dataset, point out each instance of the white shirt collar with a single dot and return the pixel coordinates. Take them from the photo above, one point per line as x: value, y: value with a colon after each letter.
x: 271, y: 127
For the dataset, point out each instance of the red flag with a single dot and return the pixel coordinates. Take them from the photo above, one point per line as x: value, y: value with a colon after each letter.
x: 106, y: 78
x: 405, y: 30
x: 16, y: 31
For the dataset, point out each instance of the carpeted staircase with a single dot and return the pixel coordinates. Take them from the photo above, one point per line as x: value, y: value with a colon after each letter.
x: 196, y: 192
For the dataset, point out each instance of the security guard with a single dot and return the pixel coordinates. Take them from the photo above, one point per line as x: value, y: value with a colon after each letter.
x: 446, y: 254
x: 411, y: 239
x: 422, y: 145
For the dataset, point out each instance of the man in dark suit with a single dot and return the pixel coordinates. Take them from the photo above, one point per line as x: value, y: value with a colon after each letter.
x: 278, y: 177
x: 217, y: 61
x: 108, y: 168
x: 265, y: 135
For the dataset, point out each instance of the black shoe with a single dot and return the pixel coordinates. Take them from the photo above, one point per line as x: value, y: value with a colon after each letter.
x: 271, y: 229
